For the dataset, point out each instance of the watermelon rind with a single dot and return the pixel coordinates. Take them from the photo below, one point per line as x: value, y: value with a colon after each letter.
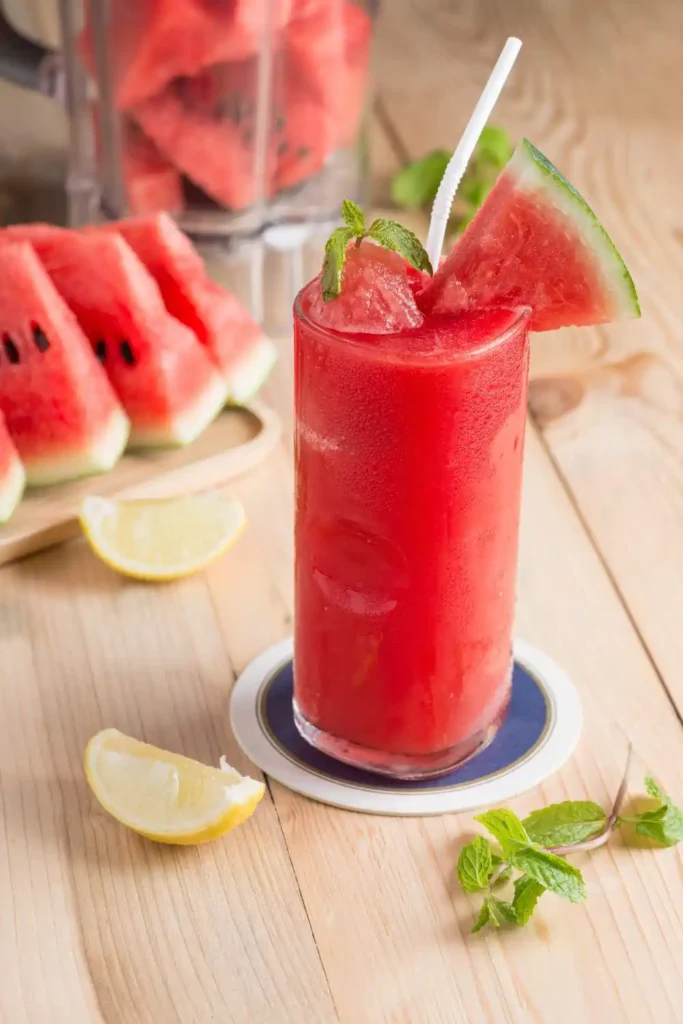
x: 534, y: 173
x: 98, y: 455
x: 247, y: 375
x: 11, y: 489
x: 187, y: 425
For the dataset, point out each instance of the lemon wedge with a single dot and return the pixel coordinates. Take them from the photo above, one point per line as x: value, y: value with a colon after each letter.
x: 165, y: 796
x: 161, y: 540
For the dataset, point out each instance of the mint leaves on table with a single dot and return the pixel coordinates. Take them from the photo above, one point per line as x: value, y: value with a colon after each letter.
x: 533, y: 850
x: 386, y: 233
x: 416, y: 184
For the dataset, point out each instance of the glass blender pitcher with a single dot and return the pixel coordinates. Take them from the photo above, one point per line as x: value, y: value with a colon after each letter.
x: 241, y: 118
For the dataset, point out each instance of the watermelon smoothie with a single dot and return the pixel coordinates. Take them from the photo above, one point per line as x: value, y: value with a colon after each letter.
x: 409, y: 442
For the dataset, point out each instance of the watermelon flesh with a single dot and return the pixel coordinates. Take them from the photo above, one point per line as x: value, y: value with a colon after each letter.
x: 155, y: 41
x: 535, y: 242
x: 165, y: 380
x: 60, y: 409
x: 220, y: 321
x: 12, y: 475
x: 377, y: 295
x: 206, y: 123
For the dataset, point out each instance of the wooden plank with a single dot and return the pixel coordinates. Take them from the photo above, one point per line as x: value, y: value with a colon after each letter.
x: 236, y: 442
x: 97, y: 924
x: 380, y: 893
x: 609, y: 400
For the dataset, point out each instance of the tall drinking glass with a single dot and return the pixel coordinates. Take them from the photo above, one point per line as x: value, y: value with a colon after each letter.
x: 408, y: 476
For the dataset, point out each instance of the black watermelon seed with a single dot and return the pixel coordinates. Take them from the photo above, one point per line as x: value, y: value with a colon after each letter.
x: 282, y: 148
x: 279, y: 125
x: 127, y: 353
x: 11, y: 349
x: 303, y: 152
x: 40, y: 337
x: 101, y: 349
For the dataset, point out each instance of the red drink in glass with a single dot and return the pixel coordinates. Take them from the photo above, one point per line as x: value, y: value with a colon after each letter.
x: 408, y: 474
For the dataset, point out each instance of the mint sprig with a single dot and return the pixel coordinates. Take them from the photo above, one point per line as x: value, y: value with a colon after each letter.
x: 387, y: 233
x: 533, y: 850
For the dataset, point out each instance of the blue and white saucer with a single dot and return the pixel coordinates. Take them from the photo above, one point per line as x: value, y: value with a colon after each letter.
x: 538, y: 735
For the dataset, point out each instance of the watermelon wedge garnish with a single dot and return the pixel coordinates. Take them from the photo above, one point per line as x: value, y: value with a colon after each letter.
x: 535, y: 242
x: 60, y: 409
x: 12, y: 475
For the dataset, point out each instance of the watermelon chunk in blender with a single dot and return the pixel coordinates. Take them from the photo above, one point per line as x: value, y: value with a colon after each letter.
x: 12, y: 475
x: 207, y: 124
x: 60, y: 409
x: 152, y: 42
x: 166, y: 381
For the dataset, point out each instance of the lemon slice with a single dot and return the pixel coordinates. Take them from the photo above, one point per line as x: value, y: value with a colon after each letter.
x: 161, y: 540
x: 164, y: 796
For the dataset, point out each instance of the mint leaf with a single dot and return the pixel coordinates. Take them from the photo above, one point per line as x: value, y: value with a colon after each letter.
x: 417, y: 183
x: 483, y: 918
x: 506, y: 828
x: 501, y: 912
x: 333, y: 264
x: 353, y: 216
x: 551, y: 872
x: 494, y: 146
x: 664, y: 824
x: 654, y: 790
x: 527, y: 894
x: 569, y: 822
x: 394, y: 236
x: 667, y: 830
x: 475, y: 865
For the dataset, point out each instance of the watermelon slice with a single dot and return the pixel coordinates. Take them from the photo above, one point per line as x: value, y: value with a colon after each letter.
x: 165, y: 380
x: 219, y: 320
x: 61, y: 410
x: 535, y: 242
x: 12, y: 475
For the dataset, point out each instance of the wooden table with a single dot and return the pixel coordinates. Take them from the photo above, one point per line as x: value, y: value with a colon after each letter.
x: 310, y: 915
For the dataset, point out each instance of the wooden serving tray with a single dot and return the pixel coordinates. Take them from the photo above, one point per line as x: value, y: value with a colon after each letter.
x: 237, y: 441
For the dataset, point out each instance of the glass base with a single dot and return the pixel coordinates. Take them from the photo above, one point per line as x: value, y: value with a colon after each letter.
x: 398, y: 766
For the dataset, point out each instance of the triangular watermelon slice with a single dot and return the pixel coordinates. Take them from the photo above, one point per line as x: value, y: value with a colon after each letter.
x: 535, y: 242
x: 219, y: 319
x: 12, y: 475
x: 61, y: 410
x: 165, y: 380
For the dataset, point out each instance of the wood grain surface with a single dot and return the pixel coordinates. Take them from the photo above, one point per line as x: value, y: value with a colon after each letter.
x: 309, y: 914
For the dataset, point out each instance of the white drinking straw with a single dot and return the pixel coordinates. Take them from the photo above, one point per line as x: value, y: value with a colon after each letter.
x: 441, y: 209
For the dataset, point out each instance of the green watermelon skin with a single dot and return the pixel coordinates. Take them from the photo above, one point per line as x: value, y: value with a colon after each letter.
x: 218, y: 318
x: 60, y: 409
x: 12, y: 475
x: 164, y: 378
